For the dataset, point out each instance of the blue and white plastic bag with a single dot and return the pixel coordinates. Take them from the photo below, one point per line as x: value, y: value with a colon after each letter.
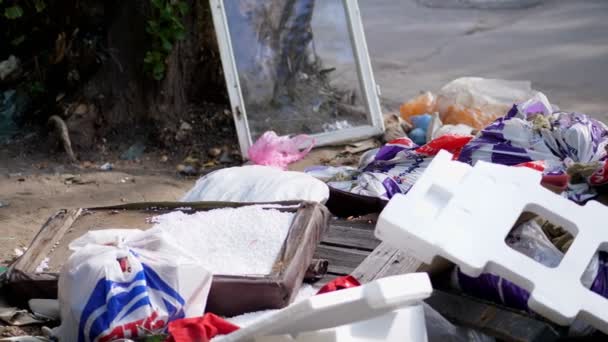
x: 120, y: 283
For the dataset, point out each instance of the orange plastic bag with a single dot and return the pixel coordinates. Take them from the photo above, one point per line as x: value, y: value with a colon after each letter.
x: 421, y: 104
x: 472, y: 101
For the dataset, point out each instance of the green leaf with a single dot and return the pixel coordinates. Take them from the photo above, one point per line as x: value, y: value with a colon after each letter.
x: 158, y: 72
x: 13, y: 12
x: 180, y: 35
x: 182, y: 7
x: 40, y: 5
x: 167, y: 46
x: 18, y: 40
x: 157, y: 3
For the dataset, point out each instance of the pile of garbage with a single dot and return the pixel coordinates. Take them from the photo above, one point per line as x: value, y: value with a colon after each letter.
x: 531, y: 133
x: 491, y: 176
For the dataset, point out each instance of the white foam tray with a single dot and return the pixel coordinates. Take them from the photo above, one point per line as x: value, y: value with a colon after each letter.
x: 386, y: 309
x: 464, y: 213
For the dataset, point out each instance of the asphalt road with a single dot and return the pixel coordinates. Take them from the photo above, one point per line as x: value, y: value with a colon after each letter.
x: 560, y: 45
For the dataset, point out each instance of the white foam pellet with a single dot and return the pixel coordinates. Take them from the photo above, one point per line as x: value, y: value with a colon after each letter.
x: 239, y: 241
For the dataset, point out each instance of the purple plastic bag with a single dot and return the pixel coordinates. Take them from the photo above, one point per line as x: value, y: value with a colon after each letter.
x: 529, y: 239
x: 531, y: 131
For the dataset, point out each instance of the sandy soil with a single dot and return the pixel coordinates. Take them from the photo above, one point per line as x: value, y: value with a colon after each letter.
x: 32, y: 188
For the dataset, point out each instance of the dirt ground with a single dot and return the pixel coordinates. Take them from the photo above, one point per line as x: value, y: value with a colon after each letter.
x: 32, y: 188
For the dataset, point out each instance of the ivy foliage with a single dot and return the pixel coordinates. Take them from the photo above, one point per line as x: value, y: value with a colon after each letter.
x: 165, y: 27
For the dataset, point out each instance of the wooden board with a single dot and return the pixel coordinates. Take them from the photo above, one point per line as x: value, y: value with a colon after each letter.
x: 342, y: 260
x: 500, y: 322
x: 386, y: 261
x: 362, y: 239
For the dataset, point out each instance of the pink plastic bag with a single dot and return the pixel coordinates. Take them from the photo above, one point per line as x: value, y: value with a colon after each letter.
x: 273, y: 150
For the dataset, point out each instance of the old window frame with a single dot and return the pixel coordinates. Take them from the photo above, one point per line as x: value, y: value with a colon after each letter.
x: 370, y: 90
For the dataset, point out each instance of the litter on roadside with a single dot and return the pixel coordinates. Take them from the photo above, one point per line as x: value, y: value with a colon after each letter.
x: 254, y: 184
x: 449, y: 212
x: 493, y: 184
x: 472, y: 101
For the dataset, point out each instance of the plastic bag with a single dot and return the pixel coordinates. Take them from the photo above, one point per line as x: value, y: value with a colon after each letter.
x: 119, y: 281
x: 478, y: 101
x: 471, y: 101
x: 255, y: 184
x: 391, y: 169
x: 570, y: 143
x: 424, y: 103
x: 273, y: 150
x: 529, y: 239
x: 440, y: 329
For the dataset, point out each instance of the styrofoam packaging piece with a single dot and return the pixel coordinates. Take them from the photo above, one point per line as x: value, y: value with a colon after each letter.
x: 464, y: 213
x: 386, y: 309
x: 256, y: 183
x: 405, y: 324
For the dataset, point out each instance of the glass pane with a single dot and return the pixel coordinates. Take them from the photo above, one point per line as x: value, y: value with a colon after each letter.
x: 296, y: 66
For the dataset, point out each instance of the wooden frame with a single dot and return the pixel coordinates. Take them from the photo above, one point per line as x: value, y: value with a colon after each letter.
x: 364, y: 70
x: 229, y: 295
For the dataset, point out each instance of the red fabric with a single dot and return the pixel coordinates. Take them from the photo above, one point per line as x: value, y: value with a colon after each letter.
x: 450, y: 143
x: 600, y: 176
x: 341, y: 283
x: 203, y: 329
x: 556, y: 183
x: 199, y: 329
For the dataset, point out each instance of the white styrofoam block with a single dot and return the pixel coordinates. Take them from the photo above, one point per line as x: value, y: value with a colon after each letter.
x: 464, y: 213
x: 401, y: 325
x: 376, y: 308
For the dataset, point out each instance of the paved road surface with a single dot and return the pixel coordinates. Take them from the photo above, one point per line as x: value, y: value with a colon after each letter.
x: 561, y: 46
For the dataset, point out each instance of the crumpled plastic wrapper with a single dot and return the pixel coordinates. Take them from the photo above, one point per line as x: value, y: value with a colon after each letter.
x: 558, y: 143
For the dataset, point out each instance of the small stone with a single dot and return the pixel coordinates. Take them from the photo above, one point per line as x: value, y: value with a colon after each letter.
x: 106, y: 167
x: 87, y: 164
x: 191, y: 161
x: 214, y: 152
x: 3, y: 204
x: 164, y: 159
x: 185, y: 126
x: 187, y: 170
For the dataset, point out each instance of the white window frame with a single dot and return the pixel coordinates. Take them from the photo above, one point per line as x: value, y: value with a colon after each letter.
x: 370, y: 89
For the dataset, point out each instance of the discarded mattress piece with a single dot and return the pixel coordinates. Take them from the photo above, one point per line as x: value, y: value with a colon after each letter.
x: 447, y: 213
x: 255, y: 184
x: 388, y: 309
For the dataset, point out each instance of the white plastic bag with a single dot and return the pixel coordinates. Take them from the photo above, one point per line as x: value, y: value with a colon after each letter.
x: 120, y: 281
x: 441, y: 330
x: 256, y: 184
